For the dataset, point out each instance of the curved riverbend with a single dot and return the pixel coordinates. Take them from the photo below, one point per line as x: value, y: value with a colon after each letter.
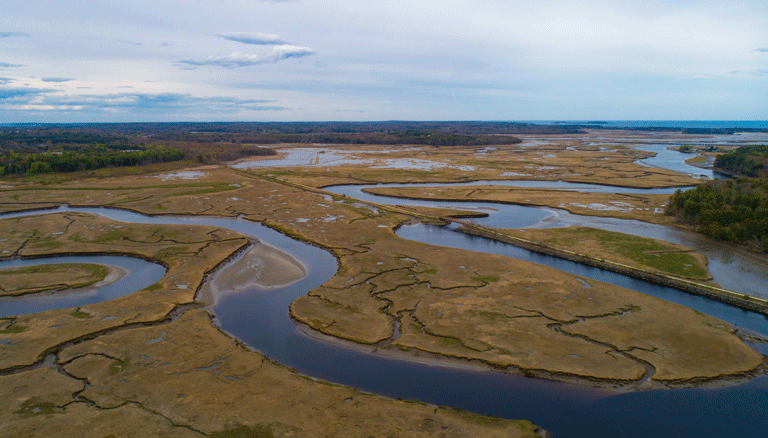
x: 733, y: 268
x: 671, y: 159
x: 260, y: 318
x: 139, y: 274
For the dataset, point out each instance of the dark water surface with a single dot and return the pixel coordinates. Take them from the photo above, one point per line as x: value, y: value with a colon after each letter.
x: 140, y: 274
x: 260, y: 319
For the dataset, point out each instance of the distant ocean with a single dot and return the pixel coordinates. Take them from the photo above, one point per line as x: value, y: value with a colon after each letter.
x: 753, y: 124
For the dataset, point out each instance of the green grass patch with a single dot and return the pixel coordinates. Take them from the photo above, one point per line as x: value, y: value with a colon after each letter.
x: 48, y: 243
x: 450, y: 342
x: 13, y: 329
x: 646, y: 253
x: 486, y: 278
x: 119, y: 366
x: 79, y: 314
x: 33, y: 408
x: 171, y: 251
x: 243, y: 431
x: 287, y: 231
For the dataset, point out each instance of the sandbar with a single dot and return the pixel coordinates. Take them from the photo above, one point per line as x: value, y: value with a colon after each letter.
x: 262, y: 266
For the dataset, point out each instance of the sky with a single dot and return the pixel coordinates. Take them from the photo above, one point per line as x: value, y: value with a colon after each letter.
x: 338, y: 60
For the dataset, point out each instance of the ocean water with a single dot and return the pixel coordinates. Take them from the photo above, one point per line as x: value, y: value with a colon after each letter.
x: 750, y: 124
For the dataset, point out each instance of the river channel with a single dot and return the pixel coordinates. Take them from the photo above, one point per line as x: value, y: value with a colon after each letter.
x: 139, y: 274
x: 260, y: 319
x: 731, y: 267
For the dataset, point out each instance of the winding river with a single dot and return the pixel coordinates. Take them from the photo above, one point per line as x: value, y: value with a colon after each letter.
x: 260, y: 318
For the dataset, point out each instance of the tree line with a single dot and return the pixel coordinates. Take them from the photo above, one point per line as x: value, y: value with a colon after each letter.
x: 732, y: 210
x: 426, y: 138
x: 746, y: 160
x: 17, y: 163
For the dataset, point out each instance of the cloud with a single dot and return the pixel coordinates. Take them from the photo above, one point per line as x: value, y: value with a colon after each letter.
x: 20, y: 93
x: 237, y: 59
x: 173, y: 103
x: 263, y: 39
x: 9, y: 65
x: 4, y: 81
x: 13, y: 34
x: 761, y: 49
x: 56, y: 79
x: 31, y: 99
x: 759, y: 72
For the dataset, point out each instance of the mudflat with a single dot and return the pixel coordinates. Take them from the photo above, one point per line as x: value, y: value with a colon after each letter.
x: 261, y: 266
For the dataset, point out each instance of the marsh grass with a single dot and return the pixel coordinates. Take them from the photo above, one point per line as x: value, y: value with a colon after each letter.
x: 624, y: 248
x: 243, y: 431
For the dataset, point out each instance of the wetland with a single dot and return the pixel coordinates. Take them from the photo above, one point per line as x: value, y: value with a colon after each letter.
x: 351, y: 290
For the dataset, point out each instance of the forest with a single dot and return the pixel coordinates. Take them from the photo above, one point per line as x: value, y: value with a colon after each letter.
x: 70, y: 148
x: 732, y: 210
x: 268, y: 133
x: 86, y: 158
x: 746, y: 161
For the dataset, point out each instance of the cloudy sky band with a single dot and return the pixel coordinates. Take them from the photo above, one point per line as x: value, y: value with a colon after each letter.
x: 322, y: 60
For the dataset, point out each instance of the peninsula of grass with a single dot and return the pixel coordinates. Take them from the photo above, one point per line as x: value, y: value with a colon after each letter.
x: 51, y: 277
x: 638, y: 252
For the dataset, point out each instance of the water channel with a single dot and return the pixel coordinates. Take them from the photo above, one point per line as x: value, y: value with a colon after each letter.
x: 260, y: 319
x: 139, y: 274
x: 732, y: 267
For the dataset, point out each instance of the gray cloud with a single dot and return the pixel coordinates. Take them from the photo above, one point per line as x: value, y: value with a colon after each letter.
x: 13, y: 34
x: 263, y: 39
x: 17, y: 94
x: 237, y: 59
x: 56, y: 79
x: 132, y: 103
x: 9, y: 65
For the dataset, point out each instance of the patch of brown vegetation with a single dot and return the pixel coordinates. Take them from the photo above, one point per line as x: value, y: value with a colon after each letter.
x: 451, y: 303
x: 124, y: 372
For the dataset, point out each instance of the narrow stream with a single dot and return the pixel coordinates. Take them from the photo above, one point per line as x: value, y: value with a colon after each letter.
x: 261, y: 320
